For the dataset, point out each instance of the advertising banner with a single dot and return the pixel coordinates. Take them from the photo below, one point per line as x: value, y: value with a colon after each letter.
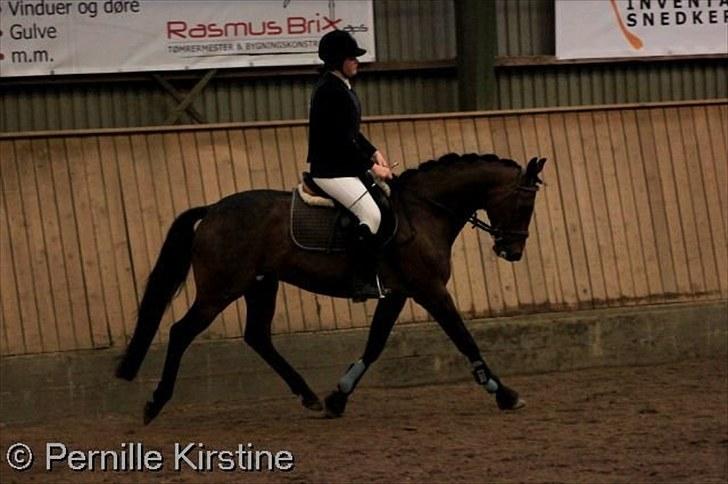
x: 53, y: 37
x: 640, y: 28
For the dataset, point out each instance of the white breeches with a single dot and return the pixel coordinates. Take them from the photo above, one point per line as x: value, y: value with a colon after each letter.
x: 352, y: 194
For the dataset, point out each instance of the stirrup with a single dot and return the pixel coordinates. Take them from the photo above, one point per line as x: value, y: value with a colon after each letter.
x: 369, y: 291
x: 381, y: 289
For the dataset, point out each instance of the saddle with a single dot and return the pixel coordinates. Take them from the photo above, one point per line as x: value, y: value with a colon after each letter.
x: 320, y: 223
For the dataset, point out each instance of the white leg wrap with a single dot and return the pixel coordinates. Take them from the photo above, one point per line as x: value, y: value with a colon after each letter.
x: 481, y: 376
x: 491, y: 386
x: 347, y: 382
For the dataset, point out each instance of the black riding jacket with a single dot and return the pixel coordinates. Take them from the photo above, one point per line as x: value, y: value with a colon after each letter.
x: 336, y: 147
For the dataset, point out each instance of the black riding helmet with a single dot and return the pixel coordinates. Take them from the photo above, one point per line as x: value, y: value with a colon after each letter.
x: 336, y: 46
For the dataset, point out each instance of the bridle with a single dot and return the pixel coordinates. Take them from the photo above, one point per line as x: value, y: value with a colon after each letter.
x: 496, y: 231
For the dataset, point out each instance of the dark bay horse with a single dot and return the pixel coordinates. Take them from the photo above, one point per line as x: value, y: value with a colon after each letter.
x: 242, y: 247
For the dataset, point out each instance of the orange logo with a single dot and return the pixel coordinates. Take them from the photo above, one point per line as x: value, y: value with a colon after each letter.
x: 633, y: 40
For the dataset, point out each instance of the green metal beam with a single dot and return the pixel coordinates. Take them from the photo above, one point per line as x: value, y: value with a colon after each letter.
x: 179, y: 97
x: 183, y: 106
x: 477, y: 39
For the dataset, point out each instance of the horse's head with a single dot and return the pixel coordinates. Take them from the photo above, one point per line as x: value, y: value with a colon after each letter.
x: 458, y: 185
x: 510, y: 210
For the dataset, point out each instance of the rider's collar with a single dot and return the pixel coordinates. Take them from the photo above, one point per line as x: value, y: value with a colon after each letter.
x: 343, y: 79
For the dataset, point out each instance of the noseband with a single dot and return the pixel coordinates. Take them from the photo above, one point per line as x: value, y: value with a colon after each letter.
x: 497, y: 233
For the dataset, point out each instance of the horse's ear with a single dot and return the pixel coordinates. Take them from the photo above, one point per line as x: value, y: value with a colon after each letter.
x: 533, y: 169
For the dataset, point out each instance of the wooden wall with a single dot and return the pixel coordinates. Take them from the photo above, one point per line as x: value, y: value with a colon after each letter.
x: 634, y: 212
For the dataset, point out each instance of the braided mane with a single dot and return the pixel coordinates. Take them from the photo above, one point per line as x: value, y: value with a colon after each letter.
x: 453, y: 159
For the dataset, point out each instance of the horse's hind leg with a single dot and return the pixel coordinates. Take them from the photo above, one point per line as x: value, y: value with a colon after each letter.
x: 260, y: 301
x: 181, y: 334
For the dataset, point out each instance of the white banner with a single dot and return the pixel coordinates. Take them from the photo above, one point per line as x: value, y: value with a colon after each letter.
x: 638, y: 28
x: 50, y: 37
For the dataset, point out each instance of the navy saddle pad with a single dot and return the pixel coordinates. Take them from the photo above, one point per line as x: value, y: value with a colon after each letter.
x: 318, y: 228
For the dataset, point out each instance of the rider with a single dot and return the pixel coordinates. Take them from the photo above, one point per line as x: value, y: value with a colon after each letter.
x: 340, y: 155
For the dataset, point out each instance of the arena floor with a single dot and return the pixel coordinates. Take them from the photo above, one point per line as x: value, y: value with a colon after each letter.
x: 664, y: 423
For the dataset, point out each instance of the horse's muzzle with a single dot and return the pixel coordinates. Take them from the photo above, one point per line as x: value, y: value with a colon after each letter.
x: 507, y: 255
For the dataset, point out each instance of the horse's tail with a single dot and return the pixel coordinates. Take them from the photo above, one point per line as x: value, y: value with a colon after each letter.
x: 168, y: 274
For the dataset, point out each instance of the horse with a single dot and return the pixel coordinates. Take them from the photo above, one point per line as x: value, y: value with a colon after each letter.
x: 240, y: 246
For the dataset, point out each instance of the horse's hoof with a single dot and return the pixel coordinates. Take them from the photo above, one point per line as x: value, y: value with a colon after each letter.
x: 125, y: 371
x: 312, y: 402
x: 151, y: 410
x: 335, y: 404
x: 508, y: 399
x: 519, y: 403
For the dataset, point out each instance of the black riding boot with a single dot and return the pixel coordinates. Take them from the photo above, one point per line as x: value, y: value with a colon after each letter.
x: 366, y: 284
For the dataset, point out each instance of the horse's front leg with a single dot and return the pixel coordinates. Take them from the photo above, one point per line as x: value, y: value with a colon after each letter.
x: 385, y: 316
x: 440, y: 305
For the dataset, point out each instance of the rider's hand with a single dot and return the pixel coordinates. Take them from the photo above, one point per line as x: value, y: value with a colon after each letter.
x: 382, y: 171
x: 379, y: 159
